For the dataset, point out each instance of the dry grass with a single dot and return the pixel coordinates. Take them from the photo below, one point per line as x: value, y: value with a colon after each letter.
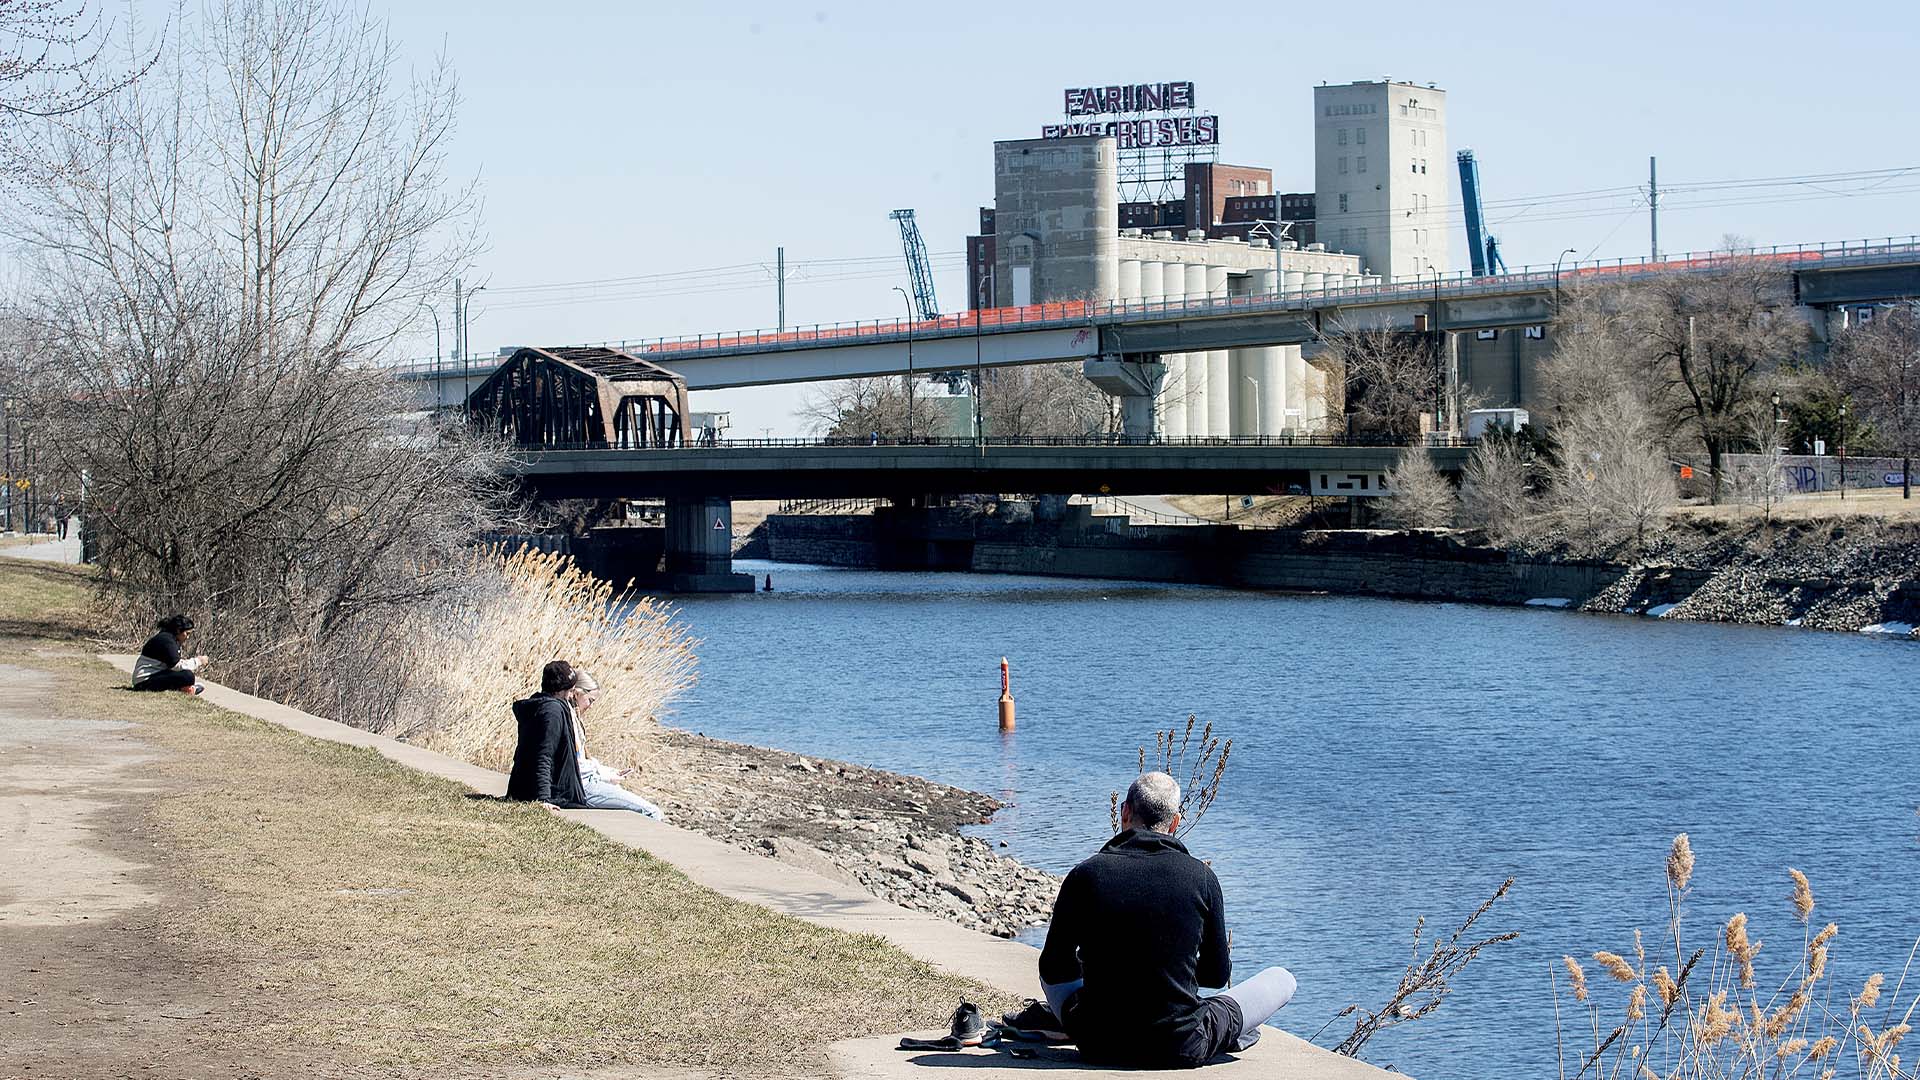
x: 479, y: 652
x: 1879, y: 503
x: 1711, y: 1015
x: 1267, y: 511
x: 39, y: 599
x: 410, y: 928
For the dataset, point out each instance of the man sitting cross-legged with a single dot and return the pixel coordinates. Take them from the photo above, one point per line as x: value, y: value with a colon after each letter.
x: 1137, y: 930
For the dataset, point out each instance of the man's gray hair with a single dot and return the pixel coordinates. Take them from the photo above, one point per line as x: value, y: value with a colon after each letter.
x: 1153, y: 801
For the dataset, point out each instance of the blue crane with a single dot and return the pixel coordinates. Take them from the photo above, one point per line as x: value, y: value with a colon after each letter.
x: 918, y: 267
x: 1482, y: 247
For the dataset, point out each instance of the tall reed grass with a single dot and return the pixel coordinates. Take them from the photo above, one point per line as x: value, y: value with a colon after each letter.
x: 1711, y: 1014
x: 475, y: 655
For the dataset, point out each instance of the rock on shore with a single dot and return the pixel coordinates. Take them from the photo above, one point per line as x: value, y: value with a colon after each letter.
x: 891, y: 834
x: 1850, y: 575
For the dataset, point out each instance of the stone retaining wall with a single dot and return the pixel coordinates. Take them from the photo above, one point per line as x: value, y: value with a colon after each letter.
x: 820, y: 539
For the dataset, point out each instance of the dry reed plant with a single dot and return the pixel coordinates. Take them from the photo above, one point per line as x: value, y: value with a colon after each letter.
x: 484, y: 651
x: 1204, y: 774
x: 1428, y: 980
x: 1720, y: 1020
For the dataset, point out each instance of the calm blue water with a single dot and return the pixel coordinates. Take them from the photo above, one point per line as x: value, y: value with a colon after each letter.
x: 1390, y: 759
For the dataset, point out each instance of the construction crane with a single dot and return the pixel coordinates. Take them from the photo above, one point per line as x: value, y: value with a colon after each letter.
x: 918, y: 267
x: 1482, y: 247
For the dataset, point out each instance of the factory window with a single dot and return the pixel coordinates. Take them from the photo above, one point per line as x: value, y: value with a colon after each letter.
x: 1343, y: 202
x: 1340, y: 137
x: 1360, y: 136
x: 1360, y: 164
x: 1343, y: 166
x: 1363, y: 236
x: 1345, y: 234
x: 1413, y: 165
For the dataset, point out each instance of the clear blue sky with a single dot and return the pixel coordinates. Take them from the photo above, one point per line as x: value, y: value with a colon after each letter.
x: 617, y: 140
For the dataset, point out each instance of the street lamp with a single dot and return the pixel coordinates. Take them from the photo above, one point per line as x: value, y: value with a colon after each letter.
x: 1777, y: 420
x: 1556, y: 278
x: 1439, y: 351
x: 909, y: 302
x: 438, y: 387
x: 1843, y: 450
x: 1259, y: 429
x: 466, y: 351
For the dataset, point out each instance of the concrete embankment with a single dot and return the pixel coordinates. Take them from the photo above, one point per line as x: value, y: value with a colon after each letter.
x: 1854, y: 576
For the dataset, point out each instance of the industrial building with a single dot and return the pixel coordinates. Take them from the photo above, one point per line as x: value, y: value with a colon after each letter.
x: 1078, y: 217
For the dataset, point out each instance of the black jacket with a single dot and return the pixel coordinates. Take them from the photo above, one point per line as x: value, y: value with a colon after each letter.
x: 546, y: 763
x: 1143, y: 923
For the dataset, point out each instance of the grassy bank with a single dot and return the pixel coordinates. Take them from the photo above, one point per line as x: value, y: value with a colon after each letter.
x: 395, y: 922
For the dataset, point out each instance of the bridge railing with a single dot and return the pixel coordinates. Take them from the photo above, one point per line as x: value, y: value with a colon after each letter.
x: 885, y: 443
x: 1525, y: 279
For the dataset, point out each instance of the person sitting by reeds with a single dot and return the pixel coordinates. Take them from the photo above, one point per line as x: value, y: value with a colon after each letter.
x: 160, y: 665
x: 600, y: 782
x: 1137, y: 930
x: 546, y: 757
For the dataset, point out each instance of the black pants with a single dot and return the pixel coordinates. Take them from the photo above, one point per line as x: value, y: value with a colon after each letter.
x: 176, y: 679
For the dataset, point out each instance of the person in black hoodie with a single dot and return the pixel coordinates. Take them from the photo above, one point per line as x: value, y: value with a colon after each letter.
x: 1137, y: 930
x: 546, y: 761
x: 160, y: 665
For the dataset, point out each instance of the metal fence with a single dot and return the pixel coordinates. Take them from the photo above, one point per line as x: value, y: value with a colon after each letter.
x: 1198, y: 442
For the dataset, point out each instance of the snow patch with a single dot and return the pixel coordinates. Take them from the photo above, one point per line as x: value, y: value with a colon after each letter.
x: 1893, y: 629
x: 1795, y: 621
x: 1659, y: 611
x: 1549, y: 601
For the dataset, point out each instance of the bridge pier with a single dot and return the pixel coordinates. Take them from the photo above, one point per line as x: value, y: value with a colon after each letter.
x: 699, y: 547
x: 1136, y: 382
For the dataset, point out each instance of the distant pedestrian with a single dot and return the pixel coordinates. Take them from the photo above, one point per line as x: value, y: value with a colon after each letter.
x: 160, y: 665
x: 874, y: 439
x: 60, y: 514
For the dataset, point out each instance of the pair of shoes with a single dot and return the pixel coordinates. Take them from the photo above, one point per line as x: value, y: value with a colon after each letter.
x: 193, y: 691
x: 966, y: 1028
x: 1033, y: 1022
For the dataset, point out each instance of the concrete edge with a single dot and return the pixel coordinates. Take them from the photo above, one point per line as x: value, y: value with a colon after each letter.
x: 1005, y: 965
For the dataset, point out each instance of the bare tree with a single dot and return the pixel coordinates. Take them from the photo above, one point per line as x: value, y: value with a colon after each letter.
x: 858, y: 408
x: 1390, y: 379
x: 1494, y: 492
x: 1696, y: 347
x: 1612, y: 481
x: 1760, y: 479
x: 1044, y: 399
x: 52, y: 65
x: 239, y: 238
x: 1422, y: 498
x: 1878, y: 366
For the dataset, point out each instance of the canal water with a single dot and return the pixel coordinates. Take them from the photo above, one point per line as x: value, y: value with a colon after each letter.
x: 1389, y: 760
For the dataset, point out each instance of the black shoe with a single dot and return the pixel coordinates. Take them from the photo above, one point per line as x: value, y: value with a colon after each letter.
x: 1033, y: 1022
x: 968, y: 1027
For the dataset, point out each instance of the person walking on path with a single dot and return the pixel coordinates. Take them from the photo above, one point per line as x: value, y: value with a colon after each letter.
x: 160, y: 666
x: 546, y: 759
x: 1137, y: 930
x: 600, y: 782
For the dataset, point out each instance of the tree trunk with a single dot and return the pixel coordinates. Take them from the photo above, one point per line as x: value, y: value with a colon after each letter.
x: 1714, y: 450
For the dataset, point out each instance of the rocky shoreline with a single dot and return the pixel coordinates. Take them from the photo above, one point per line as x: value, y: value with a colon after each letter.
x: 1856, y: 575
x: 894, y: 835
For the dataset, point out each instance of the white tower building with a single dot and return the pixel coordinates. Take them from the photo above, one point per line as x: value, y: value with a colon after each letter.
x: 1381, y: 186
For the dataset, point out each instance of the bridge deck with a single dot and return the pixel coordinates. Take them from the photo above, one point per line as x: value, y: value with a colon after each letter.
x: 804, y: 470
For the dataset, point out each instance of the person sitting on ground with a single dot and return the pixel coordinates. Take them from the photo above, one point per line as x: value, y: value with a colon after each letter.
x: 546, y: 759
x: 600, y: 782
x: 1137, y: 929
x: 159, y: 665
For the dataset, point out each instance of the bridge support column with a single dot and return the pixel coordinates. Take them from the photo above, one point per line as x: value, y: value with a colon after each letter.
x: 1136, y: 382
x: 699, y: 549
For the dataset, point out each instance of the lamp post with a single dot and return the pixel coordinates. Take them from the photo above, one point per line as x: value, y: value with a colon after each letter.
x: 1843, y: 450
x: 466, y: 351
x: 1556, y: 278
x: 979, y: 428
x: 908, y: 300
x: 1439, y: 351
x: 1259, y: 429
x: 439, y: 388
x: 1777, y: 420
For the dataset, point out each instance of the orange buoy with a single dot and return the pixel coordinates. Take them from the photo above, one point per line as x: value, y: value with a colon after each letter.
x: 1006, y: 696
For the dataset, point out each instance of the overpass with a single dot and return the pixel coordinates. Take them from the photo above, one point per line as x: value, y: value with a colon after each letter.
x: 1110, y: 335
x: 699, y: 484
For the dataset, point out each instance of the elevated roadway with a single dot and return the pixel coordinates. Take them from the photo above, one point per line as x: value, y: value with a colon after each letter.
x: 776, y: 469
x: 1818, y: 275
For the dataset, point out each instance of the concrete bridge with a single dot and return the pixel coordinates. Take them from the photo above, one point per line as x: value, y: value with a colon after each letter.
x: 700, y: 484
x: 1119, y: 341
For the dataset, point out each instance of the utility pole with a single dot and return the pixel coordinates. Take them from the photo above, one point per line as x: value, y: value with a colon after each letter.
x: 780, y: 279
x: 1653, y: 204
x: 459, y: 324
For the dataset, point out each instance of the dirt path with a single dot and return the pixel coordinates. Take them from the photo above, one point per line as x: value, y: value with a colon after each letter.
x: 90, y: 984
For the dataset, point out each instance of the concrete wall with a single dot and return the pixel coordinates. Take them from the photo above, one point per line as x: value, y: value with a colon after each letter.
x: 820, y: 539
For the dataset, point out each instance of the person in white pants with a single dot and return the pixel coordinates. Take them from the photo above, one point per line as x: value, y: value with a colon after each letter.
x: 600, y: 781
